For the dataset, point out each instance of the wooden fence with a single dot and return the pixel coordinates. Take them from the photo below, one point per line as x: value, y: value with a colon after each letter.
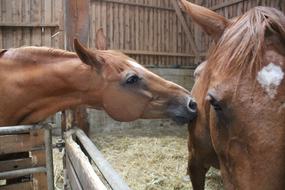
x: 26, y: 158
x: 82, y: 159
x: 153, y: 32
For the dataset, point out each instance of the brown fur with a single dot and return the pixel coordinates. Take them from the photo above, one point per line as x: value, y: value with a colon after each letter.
x: 36, y: 82
x: 245, y: 136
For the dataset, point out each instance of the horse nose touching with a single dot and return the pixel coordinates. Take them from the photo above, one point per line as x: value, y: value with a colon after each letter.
x: 183, y: 110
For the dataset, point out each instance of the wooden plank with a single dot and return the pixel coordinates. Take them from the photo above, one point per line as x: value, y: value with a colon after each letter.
x: 40, y: 181
x: 47, y: 19
x: 26, y: 35
x: 38, y: 157
x: 225, y: 4
x: 185, y: 26
x: 139, y: 4
x: 18, y: 186
x: 9, y: 165
x: 21, y: 143
x: 87, y: 176
x: 171, y: 54
x: 36, y: 18
x: 71, y: 174
x: 114, y: 180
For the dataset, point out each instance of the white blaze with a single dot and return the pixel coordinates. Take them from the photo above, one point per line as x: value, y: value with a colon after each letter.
x: 135, y: 64
x: 270, y: 78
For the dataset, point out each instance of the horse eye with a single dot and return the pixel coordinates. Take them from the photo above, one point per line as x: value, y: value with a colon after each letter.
x: 214, y: 102
x: 132, y: 79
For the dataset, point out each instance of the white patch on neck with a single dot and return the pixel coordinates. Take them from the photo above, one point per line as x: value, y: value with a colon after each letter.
x: 270, y: 78
x: 135, y: 64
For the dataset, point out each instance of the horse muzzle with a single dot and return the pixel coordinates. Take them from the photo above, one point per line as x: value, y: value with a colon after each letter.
x: 182, y: 110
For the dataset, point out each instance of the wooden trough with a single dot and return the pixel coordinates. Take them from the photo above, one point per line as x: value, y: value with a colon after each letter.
x: 26, y: 157
x: 79, y: 172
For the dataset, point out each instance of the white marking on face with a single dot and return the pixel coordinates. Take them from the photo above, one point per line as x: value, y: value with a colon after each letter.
x: 135, y: 64
x: 270, y: 78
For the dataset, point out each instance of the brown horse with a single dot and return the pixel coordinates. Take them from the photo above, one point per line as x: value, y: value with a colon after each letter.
x: 36, y: 82
x: 241, y: 100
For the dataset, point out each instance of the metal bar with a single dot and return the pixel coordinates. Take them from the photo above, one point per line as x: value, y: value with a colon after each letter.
x: 22, y: 172
x: 112, y: 177
x: 9, y: 130
x: 49, y: 157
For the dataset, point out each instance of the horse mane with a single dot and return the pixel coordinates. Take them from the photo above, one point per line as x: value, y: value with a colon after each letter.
x: 241, y: 47
x: 47, y: 51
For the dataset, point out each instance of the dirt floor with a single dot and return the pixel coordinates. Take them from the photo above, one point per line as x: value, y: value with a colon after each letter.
x: 151, y: 158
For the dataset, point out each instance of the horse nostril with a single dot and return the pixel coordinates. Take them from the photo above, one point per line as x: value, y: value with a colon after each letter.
x: 192, y: 105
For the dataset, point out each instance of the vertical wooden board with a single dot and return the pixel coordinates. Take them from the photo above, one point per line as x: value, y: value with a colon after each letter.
x: 108, y: 22
x: 15, y: 19
x: 57, y: 16
x: 40, y: 181
x: 47, y: 7
x: 151, y: 34
x: 35, y: 19
x: 92, y: 26
x: 111, y: 32
x: 116, y: 28
x: 137, y: 29
x: 146, y: 33
x: 121, y: 26
x: 26, y: 34
x: 159, y: 31
x: 103, y: 17
x: 126, y: 27
x: 8, y: 33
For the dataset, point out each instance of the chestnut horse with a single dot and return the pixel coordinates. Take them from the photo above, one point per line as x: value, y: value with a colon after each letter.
x: 36, y: 82
x: 241, y: 100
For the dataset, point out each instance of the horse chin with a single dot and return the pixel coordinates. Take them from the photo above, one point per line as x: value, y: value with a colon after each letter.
x: 179, y: 120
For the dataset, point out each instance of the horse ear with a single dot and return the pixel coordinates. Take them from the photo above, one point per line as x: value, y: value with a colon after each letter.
x: 101, y: 41
x: 212, y: 23
x: 88, y: 57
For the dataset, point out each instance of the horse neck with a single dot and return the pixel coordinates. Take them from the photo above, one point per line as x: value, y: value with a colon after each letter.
x: 47, y: 84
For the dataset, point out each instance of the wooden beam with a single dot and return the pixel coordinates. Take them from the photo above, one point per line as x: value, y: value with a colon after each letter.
x: 137, y: 4
x: 73, y: 178
x: 76, y: 22
x: 112, y: 177
x: 22, y: 186
x: 21, y: 143
x: 186, y: 28
x: 8, y: 165
x: 29, y: 25
x: 87, y: 176
x: 171, y: 54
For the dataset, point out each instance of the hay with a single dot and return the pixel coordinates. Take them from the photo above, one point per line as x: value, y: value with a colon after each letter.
x: 151, y: 158
x: 58, y: 168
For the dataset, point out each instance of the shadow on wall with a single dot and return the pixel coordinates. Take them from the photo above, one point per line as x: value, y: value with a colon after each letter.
x: 101, y: 122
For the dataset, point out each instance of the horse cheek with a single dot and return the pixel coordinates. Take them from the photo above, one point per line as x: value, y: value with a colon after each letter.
x: 124, y: 106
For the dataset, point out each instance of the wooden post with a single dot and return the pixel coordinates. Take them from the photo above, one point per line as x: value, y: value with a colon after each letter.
x: 76, y: 23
